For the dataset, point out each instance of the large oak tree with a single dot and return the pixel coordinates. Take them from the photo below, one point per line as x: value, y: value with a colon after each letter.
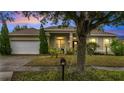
x: 85, y: 22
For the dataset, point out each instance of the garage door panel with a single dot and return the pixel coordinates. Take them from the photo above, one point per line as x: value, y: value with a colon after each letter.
x: 25, y: 47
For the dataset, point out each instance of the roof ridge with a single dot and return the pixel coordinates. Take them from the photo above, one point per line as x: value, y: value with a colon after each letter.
x: 31, y: 31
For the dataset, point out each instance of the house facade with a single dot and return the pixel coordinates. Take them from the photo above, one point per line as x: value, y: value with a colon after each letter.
x: 27, y: 41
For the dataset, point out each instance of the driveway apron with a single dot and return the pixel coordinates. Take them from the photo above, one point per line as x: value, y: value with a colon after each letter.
x: 8, y: 63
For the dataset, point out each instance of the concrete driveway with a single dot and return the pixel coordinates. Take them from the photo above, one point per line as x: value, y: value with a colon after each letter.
x: 9, y: 63
x: 14, y: 60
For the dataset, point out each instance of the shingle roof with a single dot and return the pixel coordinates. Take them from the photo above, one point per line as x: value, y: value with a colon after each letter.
x: 60, y: 27
x: 32, y: 31
x: 98, y: 32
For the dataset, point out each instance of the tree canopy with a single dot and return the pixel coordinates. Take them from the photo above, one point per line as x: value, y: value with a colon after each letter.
x: 8, y: 15
x: 18, y: 28
x: 85, y: 22
x: 93, y: 18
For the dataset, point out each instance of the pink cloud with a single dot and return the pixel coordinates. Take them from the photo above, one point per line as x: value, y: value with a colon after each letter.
x: 24, y: 20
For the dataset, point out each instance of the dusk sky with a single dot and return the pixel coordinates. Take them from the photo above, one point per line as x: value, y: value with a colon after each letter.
x: 35, y: 23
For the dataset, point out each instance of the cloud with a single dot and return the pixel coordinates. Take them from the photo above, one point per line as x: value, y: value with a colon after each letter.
x: 24, y: 20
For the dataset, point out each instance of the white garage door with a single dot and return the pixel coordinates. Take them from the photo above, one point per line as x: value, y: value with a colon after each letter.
x: 25, y: 47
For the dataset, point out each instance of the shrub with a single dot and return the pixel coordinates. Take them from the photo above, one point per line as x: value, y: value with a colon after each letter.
x: 43, y: 42
x: 54, y: 52
x: 5, y: 48
x: 91, y: 48
x: 90, y: 74
x: 70, y: 51
x: 117, y: 47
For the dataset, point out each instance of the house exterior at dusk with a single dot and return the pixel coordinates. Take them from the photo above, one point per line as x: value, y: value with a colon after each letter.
x: 27, y: 41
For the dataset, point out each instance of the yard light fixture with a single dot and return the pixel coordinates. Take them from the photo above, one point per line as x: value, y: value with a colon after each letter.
x: 63, y: 63
x: 106, y: 42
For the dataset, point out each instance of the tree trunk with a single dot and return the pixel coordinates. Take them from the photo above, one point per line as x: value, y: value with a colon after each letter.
x: 106, y: 50
x: 81, y: 53
x: 82, y: 31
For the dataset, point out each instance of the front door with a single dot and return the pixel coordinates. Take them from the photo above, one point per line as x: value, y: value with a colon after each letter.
x: 75, y: 45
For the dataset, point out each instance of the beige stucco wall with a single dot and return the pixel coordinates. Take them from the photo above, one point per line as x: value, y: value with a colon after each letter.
x: 23, y: 38
x: 52, y: 40
x: 100, y: 41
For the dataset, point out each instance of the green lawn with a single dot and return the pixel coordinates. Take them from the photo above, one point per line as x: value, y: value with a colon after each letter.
x: 101, y: 60
x: 89, y: 75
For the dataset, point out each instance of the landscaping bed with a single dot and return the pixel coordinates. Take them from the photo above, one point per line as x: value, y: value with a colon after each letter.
x: 90, y: 74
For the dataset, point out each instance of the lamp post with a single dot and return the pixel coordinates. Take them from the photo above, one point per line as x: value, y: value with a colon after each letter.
x: 107, y: 42
x: 106, y: 49
x: 63, y: 63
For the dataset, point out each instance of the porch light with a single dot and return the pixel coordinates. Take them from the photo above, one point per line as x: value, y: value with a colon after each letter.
x: 75, y: 43
x: 74, y: 38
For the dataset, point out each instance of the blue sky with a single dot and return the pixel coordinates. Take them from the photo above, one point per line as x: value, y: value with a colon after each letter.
x: 117, y: 30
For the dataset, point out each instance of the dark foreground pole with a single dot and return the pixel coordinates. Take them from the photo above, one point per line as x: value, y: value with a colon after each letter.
x: 63, y: 63
x: 63, y: 72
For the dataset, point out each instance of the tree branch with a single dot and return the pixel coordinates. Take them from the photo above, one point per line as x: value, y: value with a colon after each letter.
x: 104, y: 20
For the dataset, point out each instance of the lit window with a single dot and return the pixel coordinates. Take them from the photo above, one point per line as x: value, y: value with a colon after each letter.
x: 59, y: 37
x: 92, y: 40
x: 60, y: 42
x: 106, y: 42
x: 75, y: 43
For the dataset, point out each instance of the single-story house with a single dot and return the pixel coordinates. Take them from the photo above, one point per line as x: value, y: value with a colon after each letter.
x: 27, y: 41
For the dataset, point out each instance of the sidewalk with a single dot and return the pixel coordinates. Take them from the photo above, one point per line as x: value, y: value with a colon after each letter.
x: 5, y: 76
x: 28, y: 68
x: 109, y: 68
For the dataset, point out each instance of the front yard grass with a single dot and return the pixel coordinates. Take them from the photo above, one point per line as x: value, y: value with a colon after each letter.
x: 102, y: 60
x: 89, y: 75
